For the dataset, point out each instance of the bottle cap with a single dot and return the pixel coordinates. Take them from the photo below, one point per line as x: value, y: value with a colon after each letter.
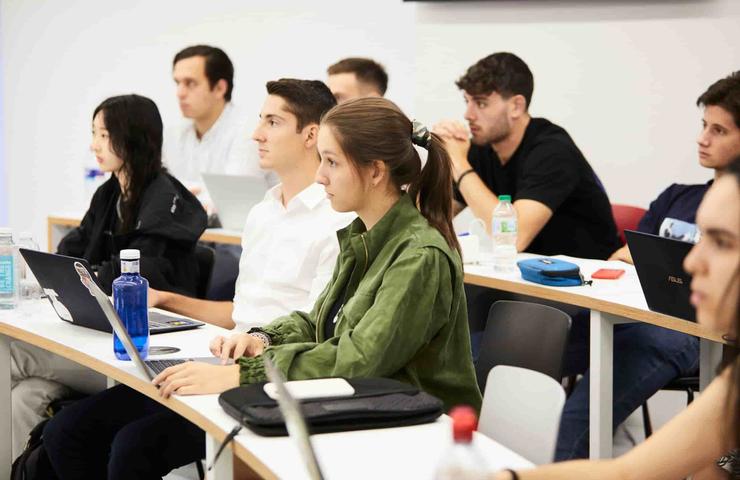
x: 6, y: 231
x: 504, y: 198
x: 464, y: 423
x: 130, y: 254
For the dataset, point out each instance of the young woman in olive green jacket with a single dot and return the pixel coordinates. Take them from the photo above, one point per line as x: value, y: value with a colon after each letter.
x: 395, y: 306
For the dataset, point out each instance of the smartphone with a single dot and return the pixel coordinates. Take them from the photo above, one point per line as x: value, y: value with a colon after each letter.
x: 608, y: 273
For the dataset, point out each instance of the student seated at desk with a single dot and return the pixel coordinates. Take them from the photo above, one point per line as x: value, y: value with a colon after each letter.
x: 394, y: 307
x: 141, y: 206
x: 648, y: 357
x: 710, y: 426
x: 289, y: 240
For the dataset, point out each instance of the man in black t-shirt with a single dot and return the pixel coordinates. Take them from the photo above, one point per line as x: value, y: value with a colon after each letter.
x: 561, y: 206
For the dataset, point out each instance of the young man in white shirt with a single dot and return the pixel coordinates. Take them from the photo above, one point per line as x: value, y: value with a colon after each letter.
x: 289, y: 242
x: 214, y: 138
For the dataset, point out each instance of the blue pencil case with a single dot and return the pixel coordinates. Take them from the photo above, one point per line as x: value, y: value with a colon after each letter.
x: 551, y: 271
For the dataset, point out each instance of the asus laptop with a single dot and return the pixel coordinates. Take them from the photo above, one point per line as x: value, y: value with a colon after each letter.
x: 72, y: 302
x: 659, y: 265
x: 233, y: 196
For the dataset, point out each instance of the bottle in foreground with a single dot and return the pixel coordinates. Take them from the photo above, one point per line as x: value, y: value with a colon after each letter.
x: 130, y: 300
x: 8, y: 270
x: 462, y: 461
x: 504, y: 227
x: 29, y: 288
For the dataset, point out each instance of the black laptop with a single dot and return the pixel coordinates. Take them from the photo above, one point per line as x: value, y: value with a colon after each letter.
x: 659, y: 265
x: 73, y: 303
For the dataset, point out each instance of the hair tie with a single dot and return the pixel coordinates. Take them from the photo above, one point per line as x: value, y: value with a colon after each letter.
x: 420, y: 135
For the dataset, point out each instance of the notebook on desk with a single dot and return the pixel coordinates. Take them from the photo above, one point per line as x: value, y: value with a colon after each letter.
x: 659, y: 265
x: 233, y: 196
x: 72, y: 302
x: 150, y: 368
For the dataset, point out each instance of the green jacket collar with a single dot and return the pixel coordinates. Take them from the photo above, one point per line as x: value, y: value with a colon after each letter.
x: 368, y: 244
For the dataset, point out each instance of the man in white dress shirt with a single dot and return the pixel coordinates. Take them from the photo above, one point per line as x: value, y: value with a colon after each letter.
x: 289, y: 239
x: 215, y: 137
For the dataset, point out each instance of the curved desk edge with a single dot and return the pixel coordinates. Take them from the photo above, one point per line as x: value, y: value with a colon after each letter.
x: 142, y: 387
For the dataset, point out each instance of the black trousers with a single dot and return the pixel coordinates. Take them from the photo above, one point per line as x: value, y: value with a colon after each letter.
x: 120, y: 434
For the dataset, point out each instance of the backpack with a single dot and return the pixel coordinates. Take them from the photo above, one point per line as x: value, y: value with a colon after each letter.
x: 33, y: 463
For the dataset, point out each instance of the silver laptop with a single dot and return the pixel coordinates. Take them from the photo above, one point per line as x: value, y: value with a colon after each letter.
x: 294, y: 421
x: 233, y: 196
x: 150, y: 368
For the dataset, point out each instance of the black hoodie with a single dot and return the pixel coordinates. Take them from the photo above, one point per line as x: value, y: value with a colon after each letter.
x: 168, y: 224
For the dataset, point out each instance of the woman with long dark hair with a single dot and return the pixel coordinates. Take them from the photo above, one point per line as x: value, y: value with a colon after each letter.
x: 710, y: 427
x: 141, y: 206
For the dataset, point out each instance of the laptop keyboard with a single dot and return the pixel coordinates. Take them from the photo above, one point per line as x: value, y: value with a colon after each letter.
x: 159, y: 365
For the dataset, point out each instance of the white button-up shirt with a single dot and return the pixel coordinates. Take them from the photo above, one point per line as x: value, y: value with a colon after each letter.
x: 226, y: 148
x: 288, y: 255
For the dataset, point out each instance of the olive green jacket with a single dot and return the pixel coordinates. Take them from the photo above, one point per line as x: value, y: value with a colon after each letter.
x: 404, y: 314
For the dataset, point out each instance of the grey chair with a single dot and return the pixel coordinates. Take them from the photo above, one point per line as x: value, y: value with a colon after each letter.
x: 523, y: 334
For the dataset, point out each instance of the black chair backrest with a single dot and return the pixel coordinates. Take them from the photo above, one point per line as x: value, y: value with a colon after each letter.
x: 206, y: 257
x: 523, y: 334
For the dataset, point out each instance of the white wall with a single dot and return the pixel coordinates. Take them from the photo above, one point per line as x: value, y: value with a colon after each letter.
x: 622, y: 76
x: 64, y: 58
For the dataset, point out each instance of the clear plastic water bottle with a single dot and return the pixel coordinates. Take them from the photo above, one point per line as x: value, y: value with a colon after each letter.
x: 462, y: 461
x: 8, y: 270
x: 130, y: 300
x: 504, y: 228
x: 29, y: 286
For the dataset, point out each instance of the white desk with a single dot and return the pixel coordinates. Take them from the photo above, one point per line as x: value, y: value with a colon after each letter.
x: 57, y: 226
x: 405, y: 452
x: 611, y: 302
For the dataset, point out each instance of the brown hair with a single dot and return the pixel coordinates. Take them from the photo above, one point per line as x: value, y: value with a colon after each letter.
x: 724, y: 93
x: 366, y: 70
x: 503, y: 73
x: 370, y: 129
x: 308, y: 100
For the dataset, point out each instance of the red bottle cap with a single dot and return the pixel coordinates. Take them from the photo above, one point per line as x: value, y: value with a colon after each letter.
x: 464, y: 423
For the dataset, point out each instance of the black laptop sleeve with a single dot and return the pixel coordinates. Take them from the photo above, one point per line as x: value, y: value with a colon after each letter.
x: 376, y: 403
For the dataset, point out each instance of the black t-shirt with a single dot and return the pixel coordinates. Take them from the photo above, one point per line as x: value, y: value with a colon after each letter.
x: 549, y: 168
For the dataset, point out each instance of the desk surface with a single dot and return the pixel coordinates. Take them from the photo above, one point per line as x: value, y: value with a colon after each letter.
x: 405, y: 452
x: 622, y: 297
x: 216, y: 235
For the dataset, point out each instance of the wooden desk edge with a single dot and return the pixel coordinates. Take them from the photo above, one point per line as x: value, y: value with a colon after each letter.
x: 653, y: 318
x: 143, y: 387
x: 52, y: 221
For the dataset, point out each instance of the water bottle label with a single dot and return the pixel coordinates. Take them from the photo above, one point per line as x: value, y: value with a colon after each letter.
x: 7, y: 274
x: 130, y: 266
x: 504, y: 225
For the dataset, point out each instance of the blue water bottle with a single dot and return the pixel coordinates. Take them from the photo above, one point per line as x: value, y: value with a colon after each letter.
x: 130, y: 300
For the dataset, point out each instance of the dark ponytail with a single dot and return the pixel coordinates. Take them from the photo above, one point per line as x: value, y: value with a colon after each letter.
x: 369, y: 129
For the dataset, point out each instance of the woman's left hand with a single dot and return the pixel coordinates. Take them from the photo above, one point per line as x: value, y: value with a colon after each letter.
x: 195, y: 378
